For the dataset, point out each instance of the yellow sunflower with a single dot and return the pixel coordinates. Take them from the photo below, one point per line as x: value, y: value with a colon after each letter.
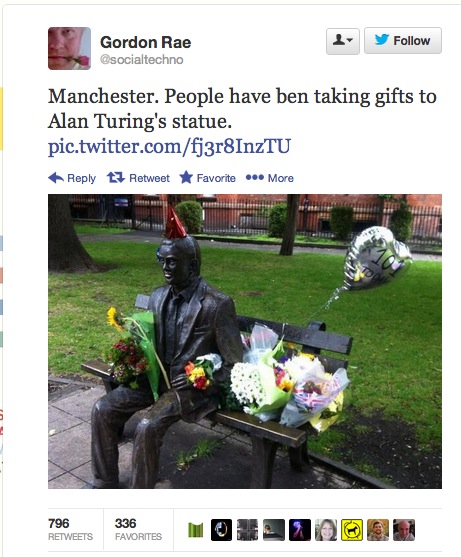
x: 112, y: 319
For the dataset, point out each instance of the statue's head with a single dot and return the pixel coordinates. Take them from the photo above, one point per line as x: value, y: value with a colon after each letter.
x: 179, y: 256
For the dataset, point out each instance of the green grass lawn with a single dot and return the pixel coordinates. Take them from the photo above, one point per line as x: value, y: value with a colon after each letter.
x: 101, y: 228
x: 396, y: 360
x: 300, y: 239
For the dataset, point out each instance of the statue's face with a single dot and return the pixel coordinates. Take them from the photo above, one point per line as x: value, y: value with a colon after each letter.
x: 176, y: 265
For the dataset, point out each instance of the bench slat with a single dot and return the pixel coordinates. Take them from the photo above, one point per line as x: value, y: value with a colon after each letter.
x: 311, y: 337
x: 103, y: 370
x: 142, y: 301
x: 253, y: 425
x: 97, y: 367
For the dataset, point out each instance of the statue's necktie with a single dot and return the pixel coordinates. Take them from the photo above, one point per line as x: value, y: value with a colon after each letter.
x: 171, y: 328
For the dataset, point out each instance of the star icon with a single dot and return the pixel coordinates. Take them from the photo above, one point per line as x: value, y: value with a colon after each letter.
x: 186, y: 177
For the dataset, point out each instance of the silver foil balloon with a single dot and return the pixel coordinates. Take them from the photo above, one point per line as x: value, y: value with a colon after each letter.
x: 375, y: 258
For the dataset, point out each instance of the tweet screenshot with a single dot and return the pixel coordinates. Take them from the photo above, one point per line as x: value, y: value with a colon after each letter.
x: 228, y: 372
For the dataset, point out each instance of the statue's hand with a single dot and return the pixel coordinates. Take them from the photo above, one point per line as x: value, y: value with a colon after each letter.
x: 181, y: 382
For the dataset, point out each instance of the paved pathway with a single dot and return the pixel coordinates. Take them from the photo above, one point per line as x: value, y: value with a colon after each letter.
x: 69, y: 464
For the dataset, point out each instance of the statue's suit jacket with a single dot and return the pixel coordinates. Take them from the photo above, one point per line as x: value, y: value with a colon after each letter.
x: 210, y: 326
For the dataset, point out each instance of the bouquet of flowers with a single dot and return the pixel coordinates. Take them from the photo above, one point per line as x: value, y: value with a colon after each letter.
x: 246, y: 386
x: 262, y: 383
x: 128, y: 361
x: 134, y: 353
x: 278, y: 382
x: 314, y: 392
x: 321, y: 422
x: 200, y: 372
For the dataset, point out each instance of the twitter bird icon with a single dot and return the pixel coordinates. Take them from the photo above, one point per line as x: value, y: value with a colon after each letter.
x: 380, y: 40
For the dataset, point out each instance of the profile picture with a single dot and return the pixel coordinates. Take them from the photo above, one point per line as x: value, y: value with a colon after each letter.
x: 69, y: 48
x: 274, y: 529
x: 404, y: 529
x: 326, y: 530
x: 247, y: 529
x: 300, y: 530
x: 377, y: 530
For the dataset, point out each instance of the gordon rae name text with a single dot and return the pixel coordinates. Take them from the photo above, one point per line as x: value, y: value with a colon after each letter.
x: 138, y: 42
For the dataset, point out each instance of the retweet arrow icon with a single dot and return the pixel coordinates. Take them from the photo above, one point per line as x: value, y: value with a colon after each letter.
x: 54, y: 177
x: 116, y: 177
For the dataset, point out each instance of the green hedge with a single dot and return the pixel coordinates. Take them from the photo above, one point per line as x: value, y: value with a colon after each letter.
x: 400, y: 224
x: 277, y: 220
x: 341, y: 222
x: 190, y: 213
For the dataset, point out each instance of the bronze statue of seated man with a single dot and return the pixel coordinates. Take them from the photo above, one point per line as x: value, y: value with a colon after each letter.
x: 193, y: 319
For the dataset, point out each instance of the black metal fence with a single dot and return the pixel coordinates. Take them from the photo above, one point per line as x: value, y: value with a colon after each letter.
x: 248, y: 217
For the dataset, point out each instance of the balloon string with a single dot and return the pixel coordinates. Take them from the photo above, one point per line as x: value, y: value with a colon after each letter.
x: 332, y: 298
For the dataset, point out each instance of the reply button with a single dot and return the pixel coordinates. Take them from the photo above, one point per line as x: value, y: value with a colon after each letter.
x: 403, y: 40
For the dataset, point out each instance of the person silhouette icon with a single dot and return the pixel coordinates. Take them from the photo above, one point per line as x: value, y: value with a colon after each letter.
x: 338, y: 40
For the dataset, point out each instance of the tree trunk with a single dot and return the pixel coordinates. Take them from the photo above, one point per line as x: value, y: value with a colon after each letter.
x: 381, y: 202
x: 65, y: 252
x: 288, y: 239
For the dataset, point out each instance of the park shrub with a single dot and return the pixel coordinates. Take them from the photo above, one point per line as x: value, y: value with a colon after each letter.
x: 400, y: 223
x: 341, y: 222
x: 277, y: 220
x: 190, y: 213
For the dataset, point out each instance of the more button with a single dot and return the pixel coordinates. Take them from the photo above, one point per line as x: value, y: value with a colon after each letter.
x: 403, y: 40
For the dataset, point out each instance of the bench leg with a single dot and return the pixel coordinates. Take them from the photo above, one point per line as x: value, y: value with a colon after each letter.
x: 298, y: 457
x: 109, y: 385
x: 263, y: 462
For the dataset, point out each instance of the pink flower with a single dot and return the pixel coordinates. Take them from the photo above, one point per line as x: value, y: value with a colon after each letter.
x: 83, y: 61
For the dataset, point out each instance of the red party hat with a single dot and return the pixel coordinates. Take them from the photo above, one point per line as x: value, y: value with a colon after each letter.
x: 174, y: 227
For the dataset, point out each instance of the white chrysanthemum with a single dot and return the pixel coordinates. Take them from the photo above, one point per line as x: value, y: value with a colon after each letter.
x: 245, y: 384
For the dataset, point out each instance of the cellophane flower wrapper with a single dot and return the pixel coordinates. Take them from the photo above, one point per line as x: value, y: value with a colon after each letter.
x: 313, y: 392
x: 146, y: 320
x: 214, y: 359
x: 265, y: 400
x: 321, y: 422
x: 261, y: 341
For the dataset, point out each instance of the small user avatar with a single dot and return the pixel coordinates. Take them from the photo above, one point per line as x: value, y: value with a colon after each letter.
x: 221, y: 530
x: 326, y: 530
x: 300, y: 530
x: 378, y: 530
x: 247, y: 529
x: 404, y: 530
x: 195, y: 530
x: 69, y: 48
x: 274, y: 529
x: 352, y: 529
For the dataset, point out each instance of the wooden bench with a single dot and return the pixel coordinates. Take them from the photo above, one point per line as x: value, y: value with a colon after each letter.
x: 265, y: 437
